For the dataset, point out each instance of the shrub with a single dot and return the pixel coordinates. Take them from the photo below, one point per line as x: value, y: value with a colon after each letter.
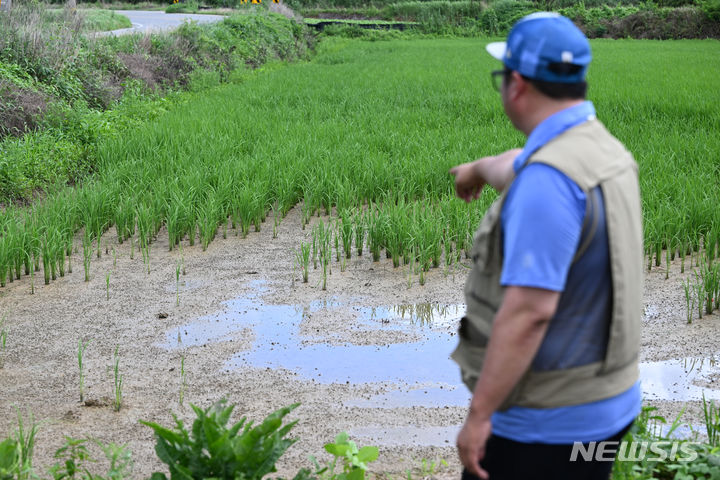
x: 187, y: 7
x: 212, y: 449
x: 711, y: 8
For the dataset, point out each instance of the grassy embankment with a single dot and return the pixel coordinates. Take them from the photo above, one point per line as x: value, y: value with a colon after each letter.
x: 61, y: 91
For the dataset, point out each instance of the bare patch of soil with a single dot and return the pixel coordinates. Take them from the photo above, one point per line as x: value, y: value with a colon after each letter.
x: 40, y: 372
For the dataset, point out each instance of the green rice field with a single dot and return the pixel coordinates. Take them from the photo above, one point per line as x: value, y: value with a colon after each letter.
x: 366, y: 132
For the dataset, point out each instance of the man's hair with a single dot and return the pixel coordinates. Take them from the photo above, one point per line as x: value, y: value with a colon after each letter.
x: 558, y: 90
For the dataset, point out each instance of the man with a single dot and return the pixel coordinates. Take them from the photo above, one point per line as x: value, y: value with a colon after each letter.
x: 549, y: 344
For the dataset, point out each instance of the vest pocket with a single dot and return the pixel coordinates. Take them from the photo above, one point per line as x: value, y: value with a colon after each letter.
x: 470, y: 352
x: 486, y: 239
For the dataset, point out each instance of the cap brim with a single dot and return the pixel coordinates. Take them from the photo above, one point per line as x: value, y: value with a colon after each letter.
x: 497, y: 49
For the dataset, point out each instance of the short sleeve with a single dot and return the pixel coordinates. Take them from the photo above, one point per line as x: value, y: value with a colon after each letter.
x: 541, y: 221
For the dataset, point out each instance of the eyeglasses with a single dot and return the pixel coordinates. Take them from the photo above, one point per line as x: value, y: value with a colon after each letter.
x: 493, y: 76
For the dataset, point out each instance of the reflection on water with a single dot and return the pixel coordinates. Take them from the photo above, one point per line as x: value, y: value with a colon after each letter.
x: 279, y: 344
x: 678, y: 379
x: 419, y: 372
x: 421, y: 314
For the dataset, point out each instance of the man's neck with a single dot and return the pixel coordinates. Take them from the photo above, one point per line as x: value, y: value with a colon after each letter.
x: 544, y: 108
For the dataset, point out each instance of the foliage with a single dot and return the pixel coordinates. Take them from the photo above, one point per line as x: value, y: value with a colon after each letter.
x: 647, y: 428
x: 75, y: 459
x: 212, y: 449
x: 9, y: 458
x: 643, y: 21
x: 16, y: 452
x: 711, y: 8
x: 347, y: 456
x: 184, y: 7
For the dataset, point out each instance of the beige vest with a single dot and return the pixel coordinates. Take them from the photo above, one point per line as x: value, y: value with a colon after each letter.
x: 590, y: 156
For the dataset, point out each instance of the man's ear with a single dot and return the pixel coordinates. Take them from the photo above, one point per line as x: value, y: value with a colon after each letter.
x: 517, y: 86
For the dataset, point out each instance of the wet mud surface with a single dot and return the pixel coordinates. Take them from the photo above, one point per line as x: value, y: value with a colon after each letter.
x: 369, y: 355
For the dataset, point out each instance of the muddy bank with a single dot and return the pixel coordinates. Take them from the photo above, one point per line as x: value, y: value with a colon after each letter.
x: 252, y: 332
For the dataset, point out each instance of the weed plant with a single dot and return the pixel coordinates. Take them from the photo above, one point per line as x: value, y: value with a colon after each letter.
x: 214, y: 449
x: 349, y: 462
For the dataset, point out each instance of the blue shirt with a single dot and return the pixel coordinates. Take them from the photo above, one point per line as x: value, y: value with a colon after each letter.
x: 542, y: 221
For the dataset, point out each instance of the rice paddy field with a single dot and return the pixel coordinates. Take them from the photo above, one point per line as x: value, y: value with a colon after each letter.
x: 322, y: 188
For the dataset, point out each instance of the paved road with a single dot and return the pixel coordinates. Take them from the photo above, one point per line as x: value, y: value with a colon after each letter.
x: 158, y: 21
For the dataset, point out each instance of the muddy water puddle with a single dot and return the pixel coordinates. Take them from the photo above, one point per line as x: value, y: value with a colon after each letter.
x: 425, y: 436
x: 685, y: 379
x: 419, y: 371
x: 414, y: 369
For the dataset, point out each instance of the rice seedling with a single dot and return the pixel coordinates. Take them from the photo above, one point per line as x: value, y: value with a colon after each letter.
x: 107, y: 286
x: 683, y: 248
x: 117, y: 381
x: 3, y: 342
x: 699, y: 287
x: 146, y: 257
x: 32, y: 281
x: 82, y: 345
x: 322, y: 249
x: 336, y: 239
x: 374, y: 232
x: 177, y: 284
x: 182, y: 259
x: 346, y: 232
x: 87, y: 255
x: 276, y: 220
x: 208, y: 215
x: 183, y: 380
x: 303, y: 259
x: 411, y: 267
x: 359, y: 221
x: 689, y: 299
x: 711, y: 414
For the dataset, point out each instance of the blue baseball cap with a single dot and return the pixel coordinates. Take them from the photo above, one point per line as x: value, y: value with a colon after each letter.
x: 540, y: 44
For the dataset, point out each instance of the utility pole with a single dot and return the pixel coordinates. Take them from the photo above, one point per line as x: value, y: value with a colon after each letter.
x: 5, y: 5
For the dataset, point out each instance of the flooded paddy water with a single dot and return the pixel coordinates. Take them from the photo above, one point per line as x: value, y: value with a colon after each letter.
x: 369, y: 356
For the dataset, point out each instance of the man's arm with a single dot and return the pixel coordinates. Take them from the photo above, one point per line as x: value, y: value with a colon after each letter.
x: 496, y: 171
x: 518, y: 330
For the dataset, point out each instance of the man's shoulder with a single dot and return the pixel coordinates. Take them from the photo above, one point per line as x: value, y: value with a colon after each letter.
x: 586, y: 153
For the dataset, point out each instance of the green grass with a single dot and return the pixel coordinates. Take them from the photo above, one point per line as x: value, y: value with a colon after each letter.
x: 313, y: 21
x: 367, y: 132
x: 95, y: 20
x: 103, y: 20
